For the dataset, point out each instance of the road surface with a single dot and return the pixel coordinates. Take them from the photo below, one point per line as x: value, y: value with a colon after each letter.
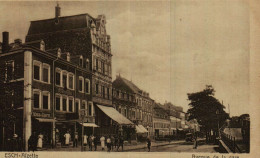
x: 182, y: 147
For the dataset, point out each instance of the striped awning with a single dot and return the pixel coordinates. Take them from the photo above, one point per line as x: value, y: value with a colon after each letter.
x: 115, y: 115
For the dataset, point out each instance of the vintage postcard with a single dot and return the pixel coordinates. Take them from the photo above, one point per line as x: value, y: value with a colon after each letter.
x: 168, y: 78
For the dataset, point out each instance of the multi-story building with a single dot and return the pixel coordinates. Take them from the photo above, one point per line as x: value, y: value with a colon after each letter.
x: 161, y: 122
x: 85, y: 36
x: 139, y: 108
x: 48, y: 89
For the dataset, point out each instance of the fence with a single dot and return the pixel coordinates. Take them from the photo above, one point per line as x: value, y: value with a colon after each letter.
x: 230, y: 142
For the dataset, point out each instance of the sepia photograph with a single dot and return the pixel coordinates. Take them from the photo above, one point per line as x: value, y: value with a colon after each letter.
x: 107, y: 77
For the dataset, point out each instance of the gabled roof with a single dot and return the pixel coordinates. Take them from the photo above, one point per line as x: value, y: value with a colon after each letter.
x: 64, y: 23
x: 125, y: 85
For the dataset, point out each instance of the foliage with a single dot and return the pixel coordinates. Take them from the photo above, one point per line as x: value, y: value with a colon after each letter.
x: 206, y: 109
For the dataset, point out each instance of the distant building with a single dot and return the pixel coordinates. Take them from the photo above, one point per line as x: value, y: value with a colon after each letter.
x: 139, y: 105
x: 161, y: 122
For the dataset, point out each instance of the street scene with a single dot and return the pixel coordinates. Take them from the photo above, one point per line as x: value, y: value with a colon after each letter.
x: 121, y: 77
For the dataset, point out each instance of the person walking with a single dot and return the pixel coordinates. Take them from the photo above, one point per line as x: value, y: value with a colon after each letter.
x: 33, y: 142
x: 121, y: 143
x: 75, y: 142
x: 108, y: 144
x: 148, y: 144
x: 102, y: 141
x: 95, y: 142
x: 195, y: 144
x: 85, y: 141
x: 40, y: 138
x: 112, y: 142
x: 67, y: 138
x: 90, y: 141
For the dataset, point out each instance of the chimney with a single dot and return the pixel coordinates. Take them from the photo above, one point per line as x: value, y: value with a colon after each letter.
x: 5, y: 45
x: 18, y: 41
x: 57, y: 11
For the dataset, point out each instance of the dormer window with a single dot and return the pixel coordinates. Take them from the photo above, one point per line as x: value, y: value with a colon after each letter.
x: 81, y: 61
x: 68, y: 56
x: 59, y: 53
x: 87, y: 64
x: 42, y: 46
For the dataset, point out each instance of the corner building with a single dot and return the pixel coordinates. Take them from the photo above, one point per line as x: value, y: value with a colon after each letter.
x: 85, y: 36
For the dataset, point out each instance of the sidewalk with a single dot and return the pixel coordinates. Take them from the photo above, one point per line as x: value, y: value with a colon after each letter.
x: 128, y: 147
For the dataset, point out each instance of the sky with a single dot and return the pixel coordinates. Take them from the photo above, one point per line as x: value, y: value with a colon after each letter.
x: 167, y: 48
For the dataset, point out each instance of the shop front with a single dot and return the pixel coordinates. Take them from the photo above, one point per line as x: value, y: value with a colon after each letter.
x: 42, y: 125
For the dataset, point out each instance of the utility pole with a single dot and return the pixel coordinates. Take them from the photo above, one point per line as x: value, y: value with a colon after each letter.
x: 82, y: 114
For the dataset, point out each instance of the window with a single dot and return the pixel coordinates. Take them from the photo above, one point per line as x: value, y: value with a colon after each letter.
x: 59, y: 53
x: 105, y: 69
x: 9, y: 71
x: 81, y: 85
x: 77, y: 106
x: 58, y: 78
x: 68, y: 56
x: 103, y: 91
x: 42, y: 46
x: 64, y: 79
x: 102, y: 67
x: 89, y: 109
x: 87, y: 87
x: 58, y: 102
x: 36, y: 99
x: 81, y: 61
x: 45, y: 100
x: 87, y: 64
x: 96, y: 88
x: 64, y: 103
x: 71, y: 81
x: 97, y: 64
x: 84, y: 104
x: 107, y: 93
x: 36, y: 70
x: 70, y: 104
x: 46, y: 73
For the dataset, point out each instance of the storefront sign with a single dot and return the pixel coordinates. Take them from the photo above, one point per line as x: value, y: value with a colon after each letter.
x: 40, y: 114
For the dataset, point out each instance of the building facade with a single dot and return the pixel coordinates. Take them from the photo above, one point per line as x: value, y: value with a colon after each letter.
x: 84, y: 36
x: 49, y: 91
x: 161, y: 122
x: 138, y: 106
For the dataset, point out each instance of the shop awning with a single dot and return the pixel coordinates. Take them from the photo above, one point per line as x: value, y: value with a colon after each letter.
x: 89, y: 125
x: 115, y: 115
x: 143, y: 129
x: 173, y: 129
x: 138, y: 129
x: 45, y: 120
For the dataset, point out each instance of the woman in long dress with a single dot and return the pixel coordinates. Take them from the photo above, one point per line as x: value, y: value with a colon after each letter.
x: 67, y: 138
x: 40, y: 137
x: 85, y: 140
x: 102, y: 140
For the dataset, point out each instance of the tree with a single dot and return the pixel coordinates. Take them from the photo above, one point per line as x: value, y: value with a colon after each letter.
x: 207, y: 110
